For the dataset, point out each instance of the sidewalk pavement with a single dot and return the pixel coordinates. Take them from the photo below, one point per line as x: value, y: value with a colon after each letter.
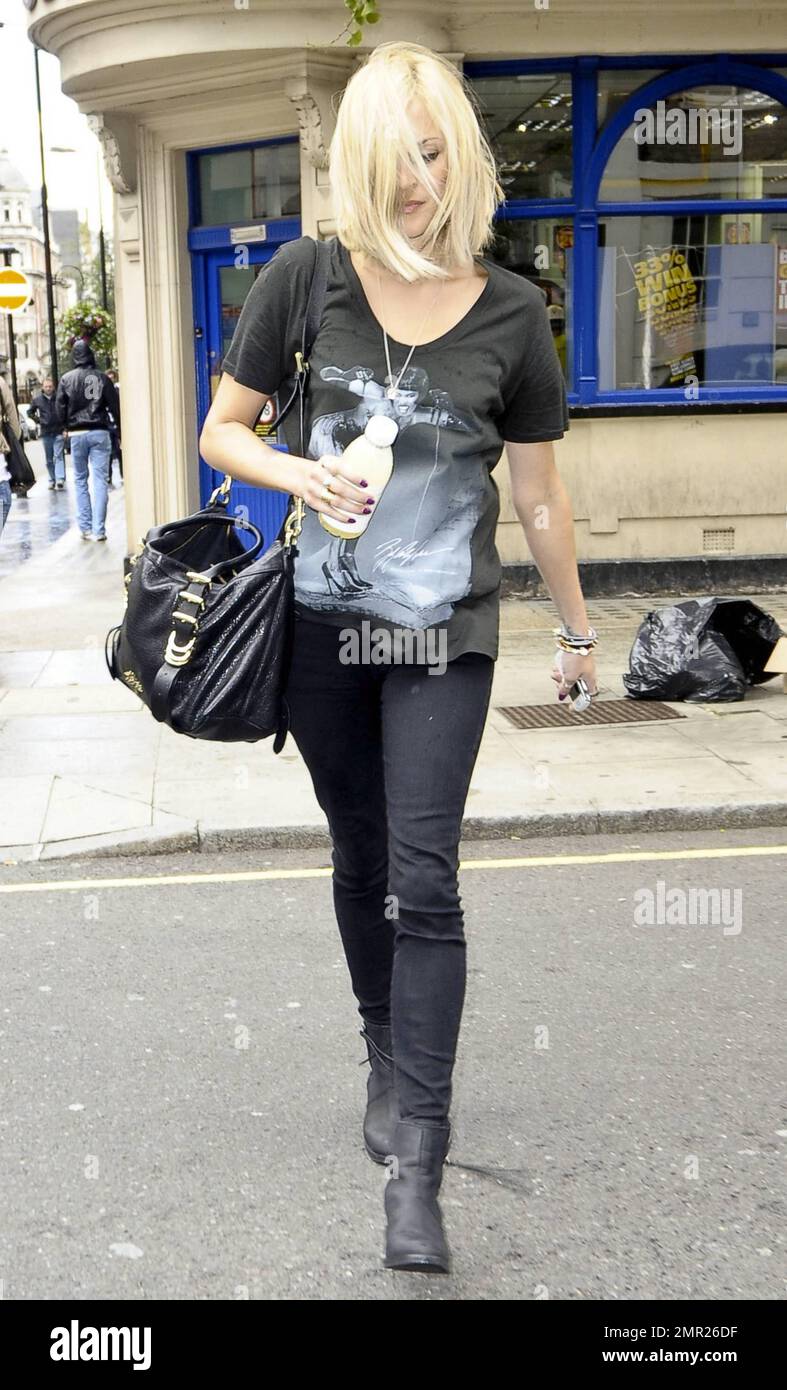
x: 86, y: 770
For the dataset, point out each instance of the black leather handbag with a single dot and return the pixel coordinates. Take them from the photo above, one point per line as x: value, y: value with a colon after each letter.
x: 206, y: 638
x: 18, y: 464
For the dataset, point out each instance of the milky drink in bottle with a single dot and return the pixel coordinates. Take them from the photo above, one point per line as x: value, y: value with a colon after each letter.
x: 371, y: 457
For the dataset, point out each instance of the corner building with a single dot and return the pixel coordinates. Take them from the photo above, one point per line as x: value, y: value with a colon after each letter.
x: 664, y: 264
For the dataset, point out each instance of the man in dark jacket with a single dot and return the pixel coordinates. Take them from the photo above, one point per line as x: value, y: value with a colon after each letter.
x: 87, y: 405
x: 42, y: 409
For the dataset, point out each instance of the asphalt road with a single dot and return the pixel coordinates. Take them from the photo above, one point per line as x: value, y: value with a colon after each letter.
x: 182, y: 1100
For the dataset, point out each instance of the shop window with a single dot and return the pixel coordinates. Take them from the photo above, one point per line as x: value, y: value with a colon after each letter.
x: 671, y: 220
x: 249, y: 184
x: 615, y: 88
x: 528, y: 123
x: 540, y: 250
x: 708, y: 142
x: 687, y: 301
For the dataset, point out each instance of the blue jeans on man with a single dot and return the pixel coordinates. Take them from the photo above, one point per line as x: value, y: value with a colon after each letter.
x: 90, y: 456
x: 55, y: 452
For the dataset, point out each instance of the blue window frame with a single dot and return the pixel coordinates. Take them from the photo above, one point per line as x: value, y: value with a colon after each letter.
x: 587, y: 290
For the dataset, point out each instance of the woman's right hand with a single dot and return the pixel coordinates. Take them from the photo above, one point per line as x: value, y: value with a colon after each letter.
x: 352, y: 496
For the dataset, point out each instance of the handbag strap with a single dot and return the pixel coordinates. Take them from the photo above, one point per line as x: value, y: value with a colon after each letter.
x: 311, y: 324
x: 315, y: 301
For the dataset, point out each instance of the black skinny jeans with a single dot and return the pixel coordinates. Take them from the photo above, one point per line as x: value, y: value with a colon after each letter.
x: 391, y: 749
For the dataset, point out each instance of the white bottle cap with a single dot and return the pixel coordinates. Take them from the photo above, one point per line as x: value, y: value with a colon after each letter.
x: 381, y: 430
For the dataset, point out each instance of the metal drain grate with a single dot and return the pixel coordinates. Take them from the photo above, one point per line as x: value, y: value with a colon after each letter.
x: 600, y: 712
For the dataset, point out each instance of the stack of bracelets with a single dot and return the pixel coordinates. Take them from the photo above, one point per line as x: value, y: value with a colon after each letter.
x: 570, y: 641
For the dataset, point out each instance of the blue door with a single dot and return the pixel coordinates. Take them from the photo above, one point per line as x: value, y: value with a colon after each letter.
x: 224, y: 288
x: 244, y: 202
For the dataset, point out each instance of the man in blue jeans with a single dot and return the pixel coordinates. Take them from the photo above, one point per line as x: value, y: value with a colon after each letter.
x: 87, y: 407
x: 42, y: 410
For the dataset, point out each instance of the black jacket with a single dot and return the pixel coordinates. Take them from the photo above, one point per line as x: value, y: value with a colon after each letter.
x: 42, y: 409
x: 86, y: 398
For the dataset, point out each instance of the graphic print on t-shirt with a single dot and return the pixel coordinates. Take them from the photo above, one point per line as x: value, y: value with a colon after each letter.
x: 413, y: 561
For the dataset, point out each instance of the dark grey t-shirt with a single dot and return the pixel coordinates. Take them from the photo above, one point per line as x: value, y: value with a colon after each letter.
x: 427, y: 560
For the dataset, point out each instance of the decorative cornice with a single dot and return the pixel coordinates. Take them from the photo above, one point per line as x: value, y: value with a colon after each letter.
x: 118, y: 136
x: 309, y: 121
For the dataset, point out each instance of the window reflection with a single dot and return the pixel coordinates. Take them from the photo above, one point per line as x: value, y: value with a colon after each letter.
x: 541, y: 251
x: 615, y: 88
x: 692, y: 301
x: 250, y: 184
x: 528, y: 122
x: 713, y: 142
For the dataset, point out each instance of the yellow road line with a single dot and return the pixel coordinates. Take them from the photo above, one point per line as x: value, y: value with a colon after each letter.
x: 531, y: 861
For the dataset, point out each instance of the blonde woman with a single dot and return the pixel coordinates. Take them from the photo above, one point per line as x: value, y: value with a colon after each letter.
x: 420, y: 327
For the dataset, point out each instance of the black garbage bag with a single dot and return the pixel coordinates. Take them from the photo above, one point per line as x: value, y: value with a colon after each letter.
x: 701, y: 649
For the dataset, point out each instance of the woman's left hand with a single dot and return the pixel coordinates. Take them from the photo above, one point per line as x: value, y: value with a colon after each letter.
x: 574, y: 666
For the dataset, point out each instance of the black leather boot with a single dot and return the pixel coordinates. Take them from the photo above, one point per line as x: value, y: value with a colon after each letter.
x: 381, y: 1111
x: 415, y: 1239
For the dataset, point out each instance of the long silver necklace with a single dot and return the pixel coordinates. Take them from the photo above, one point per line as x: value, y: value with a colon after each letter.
x: 392, y: 391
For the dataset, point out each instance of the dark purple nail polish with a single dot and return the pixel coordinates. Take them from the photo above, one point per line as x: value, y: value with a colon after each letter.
x: 370, y: 500
x: 351, y: 520
x: 363, y: 483
x: 367, y: 511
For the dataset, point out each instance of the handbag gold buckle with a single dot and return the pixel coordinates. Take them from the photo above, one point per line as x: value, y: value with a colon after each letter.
x: 223, y: 489
x: 294, y: 522
x: 177, y: 654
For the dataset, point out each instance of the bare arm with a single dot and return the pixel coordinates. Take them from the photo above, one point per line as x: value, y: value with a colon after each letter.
x: 544, y: 509
x: 228, y: 442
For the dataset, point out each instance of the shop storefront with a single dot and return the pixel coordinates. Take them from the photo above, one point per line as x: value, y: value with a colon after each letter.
x: 646, y: 184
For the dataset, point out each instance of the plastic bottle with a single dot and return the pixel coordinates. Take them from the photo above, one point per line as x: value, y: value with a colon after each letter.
x: 579, y: 696
x: 371, y: 456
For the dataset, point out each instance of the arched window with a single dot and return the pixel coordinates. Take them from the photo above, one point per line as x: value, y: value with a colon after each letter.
x: 650, y: 205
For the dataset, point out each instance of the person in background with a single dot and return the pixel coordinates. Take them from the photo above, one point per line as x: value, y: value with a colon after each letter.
x: 557, y: 322
x: 42, y: 410
x: 9, y: 420
x: 87, y: 405
x: 117, y: 452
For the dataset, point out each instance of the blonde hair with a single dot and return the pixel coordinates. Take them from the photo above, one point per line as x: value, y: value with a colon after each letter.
x: 373, y: 134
